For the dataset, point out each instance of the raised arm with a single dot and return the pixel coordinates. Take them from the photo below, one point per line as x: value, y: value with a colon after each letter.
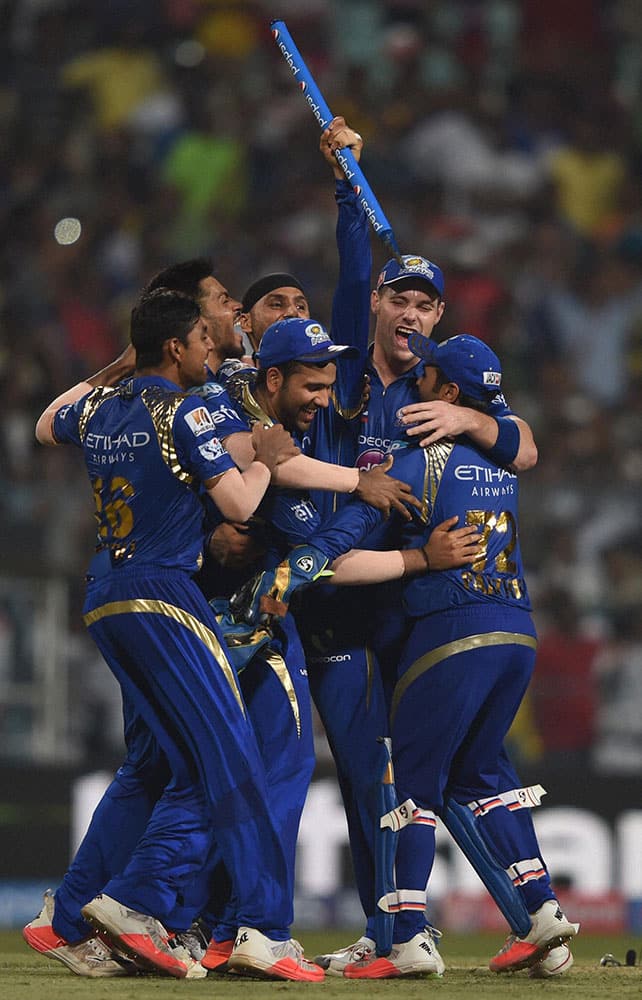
x: 351, y: 303
x: 116, y: 370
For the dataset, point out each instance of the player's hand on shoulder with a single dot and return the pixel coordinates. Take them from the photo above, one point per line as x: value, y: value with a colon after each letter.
x: 382, y: 491
x: 449, y: 547
x: 430, y: 422
x: 273, y: 445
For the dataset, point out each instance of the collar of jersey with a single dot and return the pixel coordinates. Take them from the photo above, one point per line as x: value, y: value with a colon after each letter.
x: 413, y: 373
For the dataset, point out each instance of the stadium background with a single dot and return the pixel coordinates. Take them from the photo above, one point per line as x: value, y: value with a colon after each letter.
x: 504, y: 139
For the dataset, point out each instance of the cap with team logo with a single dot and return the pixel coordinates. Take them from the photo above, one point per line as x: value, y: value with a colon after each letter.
x: 463, y: 359
x: 416, y: 272
x: 302, y: 340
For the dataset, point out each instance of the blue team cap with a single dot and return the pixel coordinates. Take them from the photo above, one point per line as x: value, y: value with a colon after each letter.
x: 416, y: 271
x: 465, y: 360
x: 302, y: 340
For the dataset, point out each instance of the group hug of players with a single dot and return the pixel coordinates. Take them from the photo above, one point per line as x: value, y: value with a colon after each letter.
x: 328, y: 519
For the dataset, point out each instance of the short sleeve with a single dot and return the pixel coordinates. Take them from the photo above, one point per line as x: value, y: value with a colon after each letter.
x: 197, y: 441
x: 66, y: 422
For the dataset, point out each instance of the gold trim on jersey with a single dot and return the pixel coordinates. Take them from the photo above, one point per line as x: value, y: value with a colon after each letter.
x: 253, y: 408
x: 280, y: 669
x: 345, y: 412
x: 370, y: 673
x: 162, y: 405
x: 146, y: 606
x: 435, y: 656
x: 435, y: 457
x: 92, y: 403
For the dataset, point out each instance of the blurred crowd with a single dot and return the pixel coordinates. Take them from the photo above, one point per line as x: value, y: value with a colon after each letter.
x: 504, y: 140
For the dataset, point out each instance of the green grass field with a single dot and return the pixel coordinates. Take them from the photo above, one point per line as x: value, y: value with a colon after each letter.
x: 25, y: 975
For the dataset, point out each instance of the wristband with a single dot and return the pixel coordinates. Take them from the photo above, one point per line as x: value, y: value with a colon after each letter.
x: 505, y: 449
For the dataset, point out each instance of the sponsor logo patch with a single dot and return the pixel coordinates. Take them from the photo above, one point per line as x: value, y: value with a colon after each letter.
x: 316, y: 334
x: 199, y: 421
x: 211, y: 450
x: 305, y: 564
x: 418, y: 264
x: 492, y: 378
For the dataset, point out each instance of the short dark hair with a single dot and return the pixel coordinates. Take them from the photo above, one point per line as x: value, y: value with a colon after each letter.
x: 183, y: 277
x: 158, y: 316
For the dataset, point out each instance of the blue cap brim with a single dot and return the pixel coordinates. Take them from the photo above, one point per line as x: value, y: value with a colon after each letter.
x: 422, y: 347
x: 329, y: 354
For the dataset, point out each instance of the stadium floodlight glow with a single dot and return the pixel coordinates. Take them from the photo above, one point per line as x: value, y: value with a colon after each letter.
x: 67, y: 231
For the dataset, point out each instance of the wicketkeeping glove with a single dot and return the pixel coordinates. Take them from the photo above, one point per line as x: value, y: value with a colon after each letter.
x: 268, y: 594
x: 243, y: 641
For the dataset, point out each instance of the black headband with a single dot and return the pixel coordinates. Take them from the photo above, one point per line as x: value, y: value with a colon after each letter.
x: 266, y: 285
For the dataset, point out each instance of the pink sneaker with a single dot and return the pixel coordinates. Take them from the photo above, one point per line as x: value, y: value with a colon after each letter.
x: 91, y: 957
x: 417, y: 957
x: 256, y: 954
x: 549, y: 929
x: 217, y: 955
x: 142, y: 936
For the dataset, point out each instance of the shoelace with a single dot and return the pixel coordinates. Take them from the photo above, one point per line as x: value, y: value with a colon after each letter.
x: 295, y: 949
x: 193, y: 940
x: 508, y: 944
x: 102, y: 952
x: 359, y: 952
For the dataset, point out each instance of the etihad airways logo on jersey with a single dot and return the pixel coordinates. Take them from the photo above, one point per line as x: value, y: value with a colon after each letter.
x: 199, y: 421
x: 487, y: 482
x: 105, y: 442
x: 223, y: 413
x: 482, y: 474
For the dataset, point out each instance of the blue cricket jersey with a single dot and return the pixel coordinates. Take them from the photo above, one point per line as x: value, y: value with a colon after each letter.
x: 146, y: 439
x: 285, y: 517
x: 455, y: 477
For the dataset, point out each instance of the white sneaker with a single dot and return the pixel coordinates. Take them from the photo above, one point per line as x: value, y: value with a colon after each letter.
x: 335, y: 962
x: 140, y: 935
x: 417, y: 957
x: 256, y: 954
x: 557, y: 961
x: 90, y: 957
x: 549, y: 928
x: 191, y: 944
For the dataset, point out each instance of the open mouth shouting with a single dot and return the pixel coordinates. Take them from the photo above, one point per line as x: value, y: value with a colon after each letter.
x: 402, y: 333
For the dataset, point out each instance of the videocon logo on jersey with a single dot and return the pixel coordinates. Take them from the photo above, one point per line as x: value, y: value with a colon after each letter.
x: 369, y: 458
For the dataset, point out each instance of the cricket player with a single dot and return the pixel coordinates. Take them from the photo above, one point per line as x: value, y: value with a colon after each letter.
x: 408, y: 297
x: 297, y: 368
x: 125, y: 809
x: 462, y: 672
x: 147, y: 446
